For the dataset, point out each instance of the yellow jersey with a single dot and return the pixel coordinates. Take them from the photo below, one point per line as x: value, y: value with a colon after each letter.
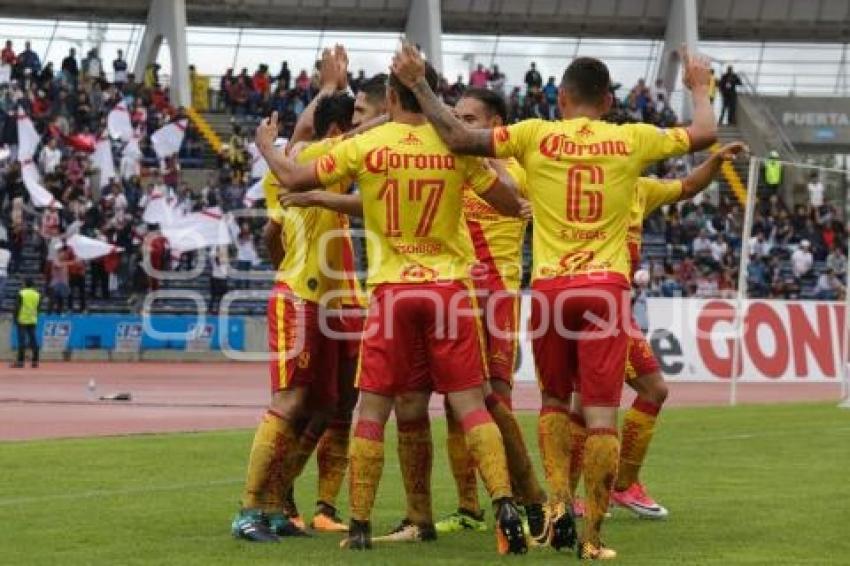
x: 318, y: 261
x: 650, y: 194
x: 412, y: 189
x: 581, y: 182
x: 497, y: 239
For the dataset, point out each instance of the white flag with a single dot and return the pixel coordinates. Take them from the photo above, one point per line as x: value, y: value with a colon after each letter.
x: 39, y: 196
x: 88, y: 248
x: 27, y: 137
x: 161, y: 207
x: 118, y: 122
x: 167, y: 140
x: 198, y: 230
x: 28, y: 140
x: 253, y: 194
x: 102, y: 159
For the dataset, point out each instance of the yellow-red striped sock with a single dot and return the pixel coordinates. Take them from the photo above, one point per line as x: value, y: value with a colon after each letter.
x: 332, y: 459
x: 637, y: 432
x: 600, y: 468
x: 367, y: 465
x: 274, y: 437
x: 553, y: 429
x: 416, y: 456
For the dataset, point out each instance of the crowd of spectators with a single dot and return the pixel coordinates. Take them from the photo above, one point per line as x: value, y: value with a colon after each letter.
x: 68, y: 107
x: 794, y: 251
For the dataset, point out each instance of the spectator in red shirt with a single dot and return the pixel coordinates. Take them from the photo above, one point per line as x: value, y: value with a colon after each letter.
x: 261, y: 81
x: 479, y: 77
x: 303, y: 81
x: 8, y: 56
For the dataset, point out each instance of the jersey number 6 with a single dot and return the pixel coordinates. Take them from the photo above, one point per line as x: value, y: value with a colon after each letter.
x: 577, y: 176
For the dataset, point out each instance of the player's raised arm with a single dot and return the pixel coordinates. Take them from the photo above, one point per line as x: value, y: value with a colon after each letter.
x: 409, y: 67
x: 290, y: 174
x: 351, y: 205
x: 697, y: 78
x: 333, y: 76
x: 701, y: 176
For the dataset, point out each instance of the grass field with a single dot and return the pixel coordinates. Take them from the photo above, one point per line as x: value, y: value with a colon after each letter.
x: 749, y: 485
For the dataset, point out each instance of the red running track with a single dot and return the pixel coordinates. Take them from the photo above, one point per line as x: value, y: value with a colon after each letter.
x: 53, y: 402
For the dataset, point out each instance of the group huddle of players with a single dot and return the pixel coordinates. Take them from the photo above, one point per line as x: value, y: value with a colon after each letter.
x: 445, y: 195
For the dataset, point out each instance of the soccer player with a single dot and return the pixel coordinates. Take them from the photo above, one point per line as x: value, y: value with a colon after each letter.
x: 643, y: 374
x: 497, y: 240
x: 334, y: 436
x: 420, y: 334
x: 306, y: 363
x: 581, y: 178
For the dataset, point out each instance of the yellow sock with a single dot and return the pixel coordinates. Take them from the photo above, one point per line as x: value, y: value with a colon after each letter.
x: 275, y: 435
x: 294, y: 463
x: 528, y: 489
x: 553, y: 430
x: 638, y: 428
x: 600, y: 468
x: 416, y: 456
x: 485, y: 444
x: 578, y: 434
x: 367, y: 465
x: 463, y: 467
x: 332, y: 459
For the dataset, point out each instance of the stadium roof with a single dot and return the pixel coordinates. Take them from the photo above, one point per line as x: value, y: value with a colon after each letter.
x: 769, y: 20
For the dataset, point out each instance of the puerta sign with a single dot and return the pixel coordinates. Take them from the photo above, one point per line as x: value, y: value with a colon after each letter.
x: 812, y: 121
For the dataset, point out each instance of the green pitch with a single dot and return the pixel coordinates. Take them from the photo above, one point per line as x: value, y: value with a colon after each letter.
x: 750, y: 485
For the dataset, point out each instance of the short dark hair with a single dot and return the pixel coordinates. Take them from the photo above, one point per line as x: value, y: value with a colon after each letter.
x: 493, y: 101
x: 375, y: 89
x: 28, y: 282
x: 405, y: 95
x: 587, y: 79
x: 335, y: 109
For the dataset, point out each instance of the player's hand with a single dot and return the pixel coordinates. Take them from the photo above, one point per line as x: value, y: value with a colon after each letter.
x: 299, y: 200
x: 328, y: 70
x: 408, y: 65
x: 341, y: 57
x: 731, y: 151
x: 266, y: 133
x: 697, y: 71
x: 525, y: 210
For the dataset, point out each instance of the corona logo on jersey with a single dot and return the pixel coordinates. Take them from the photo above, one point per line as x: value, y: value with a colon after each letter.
x: 418, y: 273
x: 327, y: 163
x: 383, y: 159
x: 556, y: 146
x: 501, y: 134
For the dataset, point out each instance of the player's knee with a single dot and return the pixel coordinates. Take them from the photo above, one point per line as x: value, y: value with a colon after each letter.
x: 288, y: 403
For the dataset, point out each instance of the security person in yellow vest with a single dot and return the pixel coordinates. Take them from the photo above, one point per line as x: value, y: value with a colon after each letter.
x: 772, y: 173
x: 26, y: 317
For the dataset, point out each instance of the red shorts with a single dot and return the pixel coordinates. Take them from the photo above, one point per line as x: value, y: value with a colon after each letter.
x: 500, y: 322
x: 579, y: 341
x: 301, y: 354
x: 641, y: 360
x: 346, y: 326
x: 420, y: 338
